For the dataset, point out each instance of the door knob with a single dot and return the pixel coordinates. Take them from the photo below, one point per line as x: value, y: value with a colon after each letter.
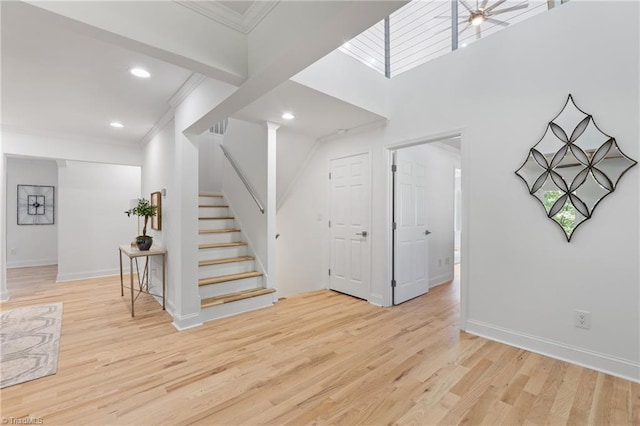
x: 427, y: 232
x: 363, y: 233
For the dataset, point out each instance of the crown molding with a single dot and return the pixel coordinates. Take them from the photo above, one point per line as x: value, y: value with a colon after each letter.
x: 176, y: 99
x: 167, y: 117
x: 185, y: 90
x: 244, y: 23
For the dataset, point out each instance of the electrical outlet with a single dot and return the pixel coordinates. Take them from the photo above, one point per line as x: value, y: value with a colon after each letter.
x: 447, y: 260
x: 582, y: 319
x: 12, y: 251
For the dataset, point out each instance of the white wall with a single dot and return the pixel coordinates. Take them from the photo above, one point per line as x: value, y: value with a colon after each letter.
x: 521, y: 280
x: 33, y: 244
x: 157, y: 173
x: 293, y: 151
x: 345, y: 78
x: 247, y: 144
x: 210, y: 163
x: 92, y: 224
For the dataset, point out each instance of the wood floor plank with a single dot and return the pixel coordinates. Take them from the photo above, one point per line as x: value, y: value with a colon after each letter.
x: 316, y: 358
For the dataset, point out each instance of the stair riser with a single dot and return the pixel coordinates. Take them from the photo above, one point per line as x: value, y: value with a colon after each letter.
x: 222, y: 253
x: 227, y: 287
x: 213, y: 212
x: 210, y: 201
x: 225, y: 237
x: 225, y: 269
x: 217, y: 224
x: 245, y: 305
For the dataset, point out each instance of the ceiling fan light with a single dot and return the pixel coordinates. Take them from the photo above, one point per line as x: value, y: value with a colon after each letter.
x: 476, y: 19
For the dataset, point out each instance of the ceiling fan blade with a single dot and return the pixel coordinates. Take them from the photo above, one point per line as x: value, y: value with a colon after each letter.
x: 478, y: 33
x: 483, y: 4
x: 466, y: 27
x: 493, y: 6
x: 497, y: 22
x: 464, y: 3
x: 509, y: 9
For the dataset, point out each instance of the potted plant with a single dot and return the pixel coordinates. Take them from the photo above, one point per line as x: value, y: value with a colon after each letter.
x: 146, y: 210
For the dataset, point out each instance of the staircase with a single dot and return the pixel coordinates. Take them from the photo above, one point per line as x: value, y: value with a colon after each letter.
x: 228, y: 281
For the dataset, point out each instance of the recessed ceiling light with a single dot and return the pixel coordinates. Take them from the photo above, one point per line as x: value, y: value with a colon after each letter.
x: 464, y: 44
x: 140, y: 72
x: 346, y: 45
x: 117, y: 124
x: 288, y: 116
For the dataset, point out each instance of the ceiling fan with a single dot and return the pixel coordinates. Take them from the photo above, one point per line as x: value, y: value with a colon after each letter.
x: 485, y: 12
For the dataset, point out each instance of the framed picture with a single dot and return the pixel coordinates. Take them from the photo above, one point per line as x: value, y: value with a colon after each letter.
x: 156, y: 221
x: 36, y: 205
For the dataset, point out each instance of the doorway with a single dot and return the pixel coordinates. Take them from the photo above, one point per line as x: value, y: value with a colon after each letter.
x: 349, y: 222
x: 423, y: 217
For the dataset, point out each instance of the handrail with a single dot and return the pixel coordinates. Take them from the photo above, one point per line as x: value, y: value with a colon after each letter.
x: 244, y: 180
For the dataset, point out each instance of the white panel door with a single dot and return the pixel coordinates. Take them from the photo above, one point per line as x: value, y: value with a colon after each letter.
x: 411, y: 249
x: 349, y: 220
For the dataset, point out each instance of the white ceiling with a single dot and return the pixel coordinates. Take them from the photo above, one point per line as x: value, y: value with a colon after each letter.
x: 58, y: 81
x: 316, y: 114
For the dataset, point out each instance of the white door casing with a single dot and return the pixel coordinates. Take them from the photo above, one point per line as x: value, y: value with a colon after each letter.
x: 350, y: 201
x: 411, y: 251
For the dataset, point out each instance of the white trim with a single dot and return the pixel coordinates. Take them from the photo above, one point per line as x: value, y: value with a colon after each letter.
x: 244, y: 23
x: 186, y: 89
x: 441, y: 279
x: 464, y: 166
x: 176, y: 99
x: 31, y: 262
x: 186, y: 322
x: 63, y: 278
x: 608, y: 364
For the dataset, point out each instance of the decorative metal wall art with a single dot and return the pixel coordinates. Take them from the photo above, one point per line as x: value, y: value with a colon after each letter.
x: 573, y: 167
x: 36, y: 205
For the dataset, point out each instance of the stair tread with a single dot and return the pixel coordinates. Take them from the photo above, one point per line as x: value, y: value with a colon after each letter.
x: 210, y: 195
x: 231, y: 277
x: 213, y: 207
x: 216, y: 218
x: 218, y: 245
x: 233, y: 297
x: 226, y: 260
x: 217, y: 231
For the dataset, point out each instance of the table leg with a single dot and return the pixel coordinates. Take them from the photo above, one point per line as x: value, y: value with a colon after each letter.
x: 131, y: 284
x: 164, y: 290
x: 121, y: 283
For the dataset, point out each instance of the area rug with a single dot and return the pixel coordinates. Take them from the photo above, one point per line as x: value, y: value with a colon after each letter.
x: 29, y: 342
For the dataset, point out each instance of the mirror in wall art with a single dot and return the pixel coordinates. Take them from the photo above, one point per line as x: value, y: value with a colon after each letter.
x: 156, y: 221
x: 573, y: 168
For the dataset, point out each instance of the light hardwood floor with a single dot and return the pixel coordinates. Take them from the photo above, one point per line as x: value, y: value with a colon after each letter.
x: 318, y: 358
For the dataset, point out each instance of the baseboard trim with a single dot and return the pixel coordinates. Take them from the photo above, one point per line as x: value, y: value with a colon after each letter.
x: 440, y: 279
x: 28, y: 263
x: 604, y: 363
x: 186, y: 322
x: 62, y: 278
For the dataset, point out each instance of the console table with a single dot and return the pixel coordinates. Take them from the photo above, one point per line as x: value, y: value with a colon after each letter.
x: 143, y: 280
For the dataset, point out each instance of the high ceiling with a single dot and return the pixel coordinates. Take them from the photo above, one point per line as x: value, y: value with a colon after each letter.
x: 62, y: 80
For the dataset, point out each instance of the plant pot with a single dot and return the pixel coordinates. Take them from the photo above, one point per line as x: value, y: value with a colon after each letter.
x: 144, y: 242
